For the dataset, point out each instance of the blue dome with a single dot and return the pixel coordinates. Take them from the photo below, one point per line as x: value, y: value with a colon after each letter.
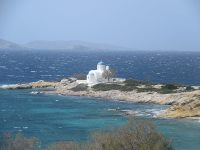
x: 100, y: 63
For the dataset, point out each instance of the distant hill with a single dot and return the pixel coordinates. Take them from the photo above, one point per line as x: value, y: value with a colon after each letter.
x: 9, y: 45
x: 71, y: 45
x: 59, y: 45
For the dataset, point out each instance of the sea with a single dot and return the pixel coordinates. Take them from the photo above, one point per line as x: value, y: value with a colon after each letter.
x: 53, y: 118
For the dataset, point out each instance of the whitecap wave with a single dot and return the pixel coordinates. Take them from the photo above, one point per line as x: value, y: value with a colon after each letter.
x: 3, y: 67
x: 51, y: 67
x: 147, y: 112
x: 11, y: 75
x: 112, y: 109
x: 48, y: 75
x: 35, y: 92
x: 7, y: 86
x: 16, y: 127
x: 20, y: 76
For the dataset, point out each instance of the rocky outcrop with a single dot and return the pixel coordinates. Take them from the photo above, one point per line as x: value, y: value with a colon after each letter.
x: 188, y: 106
x: 43, y: 84
x: 38, y: 84
x: 16, y: 86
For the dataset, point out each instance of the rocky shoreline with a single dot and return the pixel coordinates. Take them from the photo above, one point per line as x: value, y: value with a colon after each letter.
x: 183, y: 104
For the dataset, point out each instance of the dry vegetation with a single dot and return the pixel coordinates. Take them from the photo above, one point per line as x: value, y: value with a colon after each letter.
x: 136, y: 135
x: 80, y: 87
x: 189, y: 108
x: 140, y: 86
x: 18, y: 142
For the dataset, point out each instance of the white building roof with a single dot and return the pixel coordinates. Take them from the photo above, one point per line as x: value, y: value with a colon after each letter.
x: 101, y: 63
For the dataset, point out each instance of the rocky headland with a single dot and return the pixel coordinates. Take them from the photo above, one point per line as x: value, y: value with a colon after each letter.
x: 184, y: 101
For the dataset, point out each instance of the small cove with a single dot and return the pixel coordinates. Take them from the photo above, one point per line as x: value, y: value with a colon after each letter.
x: 53, y: 118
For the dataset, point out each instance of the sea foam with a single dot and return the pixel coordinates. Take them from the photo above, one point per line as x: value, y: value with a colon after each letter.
x: 6, y: 86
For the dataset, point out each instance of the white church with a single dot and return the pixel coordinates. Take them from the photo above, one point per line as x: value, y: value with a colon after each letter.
x: 96, y: 76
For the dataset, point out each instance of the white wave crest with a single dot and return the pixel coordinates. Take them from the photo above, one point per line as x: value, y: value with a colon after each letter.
x: 7, y: 86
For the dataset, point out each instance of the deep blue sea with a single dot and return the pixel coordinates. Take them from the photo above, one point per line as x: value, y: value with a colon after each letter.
x: 173, y: 67
x: 53, y: 118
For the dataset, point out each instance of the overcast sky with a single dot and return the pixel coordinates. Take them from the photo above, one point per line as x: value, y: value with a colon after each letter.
x: 137, y: 24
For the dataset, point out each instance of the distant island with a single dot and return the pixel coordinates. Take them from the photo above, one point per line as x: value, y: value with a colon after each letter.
x: 9, y: 45
x: 59, y: 45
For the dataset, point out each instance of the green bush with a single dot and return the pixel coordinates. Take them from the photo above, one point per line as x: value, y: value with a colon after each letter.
x: 189, y: 88
x: 148, y: 89
x: 170, y: 87
x: 131, y: 85
x: 127, y: 88
x: 79, y: 87
x: 106, y: 87
x: 131, y: 82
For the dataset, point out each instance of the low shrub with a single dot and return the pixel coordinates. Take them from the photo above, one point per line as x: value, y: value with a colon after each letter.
x: 131, y: 82
x: 79, y: 87
x: 189, y: 88
x: 106, y: 87
x: 18, y: 142
x: 148, y: 89
x: 169, y: 87
x: 136, y: 135
x: 64, y: 146
x: 130, y: 86
x: 127, y: 88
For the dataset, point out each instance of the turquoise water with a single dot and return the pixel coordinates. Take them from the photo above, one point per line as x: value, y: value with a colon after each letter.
x: 185, y: 134
x: 53, y: 118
